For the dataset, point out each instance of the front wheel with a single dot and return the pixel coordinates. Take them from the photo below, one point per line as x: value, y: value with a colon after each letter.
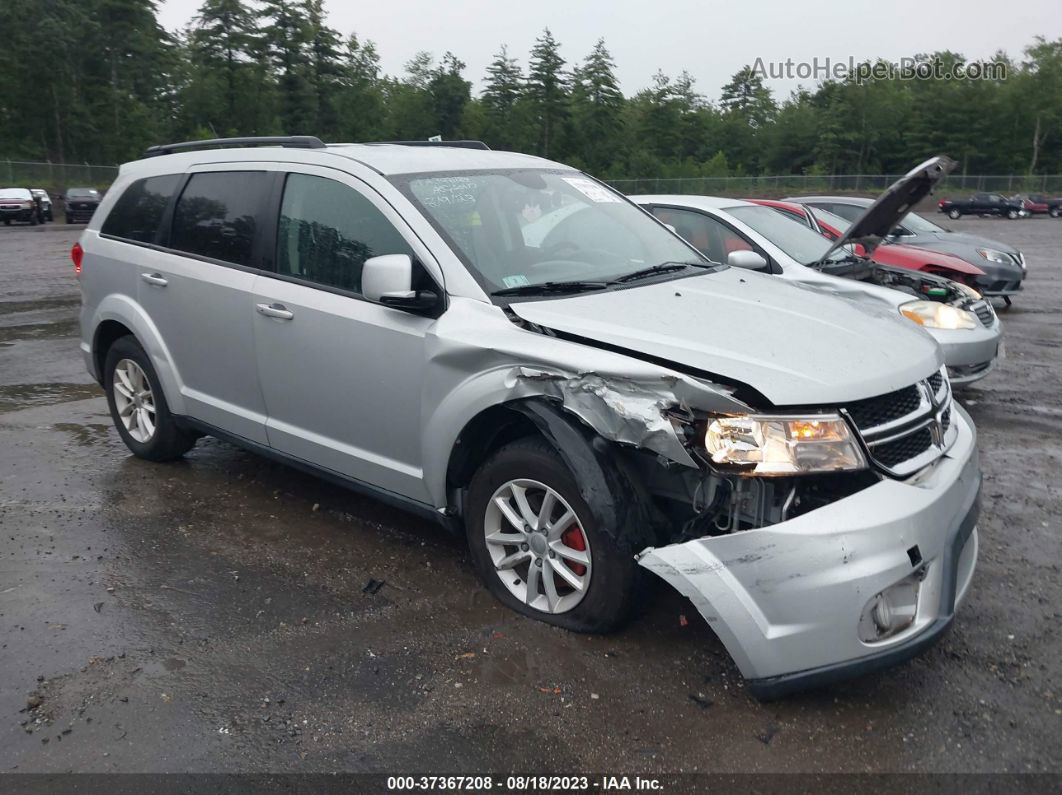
x: 954, y: 214
x: 1054, y: 212
x: 138, y: 407
x: 538, y: 547
x: 1012, y: 214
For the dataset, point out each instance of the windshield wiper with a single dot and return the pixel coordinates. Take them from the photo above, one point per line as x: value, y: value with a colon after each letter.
x: 663, y: 267
x: 552, y: 287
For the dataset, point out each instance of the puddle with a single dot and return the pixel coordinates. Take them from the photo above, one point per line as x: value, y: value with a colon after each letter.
x: 23, y: 396
x: 11, y: 307
x: 36, y: 331
x: 85, y: 435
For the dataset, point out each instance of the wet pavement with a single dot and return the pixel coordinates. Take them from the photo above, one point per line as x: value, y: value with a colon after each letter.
x: 224, y: 613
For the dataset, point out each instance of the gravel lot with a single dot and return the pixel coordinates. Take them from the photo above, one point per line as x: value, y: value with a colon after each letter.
x: 212, y: 615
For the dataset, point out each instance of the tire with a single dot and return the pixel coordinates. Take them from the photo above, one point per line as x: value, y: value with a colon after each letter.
x: 7, y: 222
x: 1054, y: 212
x: 1012, y: 214
x: 34, y: 220
x: 166, y: 441
x: 954, y: 214
x: 611, y: 577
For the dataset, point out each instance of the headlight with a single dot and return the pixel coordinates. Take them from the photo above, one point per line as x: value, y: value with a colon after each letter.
x: 992, y: 255
x: 967, y: 290
x: 933, y: 314
x: 765, y: 445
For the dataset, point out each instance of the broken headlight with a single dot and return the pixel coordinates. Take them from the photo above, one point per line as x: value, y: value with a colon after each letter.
x: 933, y: 314
x: 766, y: 445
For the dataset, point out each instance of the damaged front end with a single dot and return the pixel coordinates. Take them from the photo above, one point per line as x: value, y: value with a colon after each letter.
x: 810, y: 566
x: 811, y: 578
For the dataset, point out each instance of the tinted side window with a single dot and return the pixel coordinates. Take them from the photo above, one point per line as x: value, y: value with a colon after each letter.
x: 215, y: 216
x: 327, y: 230
x: 138, y: 212
x: 712, y: 238
x: 847, y: 211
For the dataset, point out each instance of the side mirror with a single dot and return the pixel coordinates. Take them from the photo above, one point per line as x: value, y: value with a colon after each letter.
x: 388, y: 280
x: 749, y: 260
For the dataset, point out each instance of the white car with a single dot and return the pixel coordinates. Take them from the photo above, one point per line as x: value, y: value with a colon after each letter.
x: 752, y: 236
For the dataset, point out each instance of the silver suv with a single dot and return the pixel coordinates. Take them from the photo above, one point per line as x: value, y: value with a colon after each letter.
x: 511, y: 347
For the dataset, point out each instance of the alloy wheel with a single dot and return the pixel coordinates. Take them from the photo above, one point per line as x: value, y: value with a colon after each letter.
x: 134, y: 400
x: 538, y: 546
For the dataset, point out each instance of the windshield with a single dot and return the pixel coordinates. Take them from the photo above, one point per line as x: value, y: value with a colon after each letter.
x: 20, y: 194
x: 789, y: 234
x: 82, y: 193
x: 519, y: 228
x: 917, y: 224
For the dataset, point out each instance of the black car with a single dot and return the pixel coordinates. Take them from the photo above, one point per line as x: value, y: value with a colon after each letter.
x: 80, y: 204
x: 983, y: 204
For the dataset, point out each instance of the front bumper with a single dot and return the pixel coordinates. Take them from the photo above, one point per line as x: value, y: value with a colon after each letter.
x: 969, y: 353
x: 21, y: 214
x: 787, y: 600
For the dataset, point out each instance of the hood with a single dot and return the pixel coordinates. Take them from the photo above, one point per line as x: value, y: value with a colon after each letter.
x: 880, y: 218
x: 795, y: 345
x: 963, y: 238
x: 906, y: 256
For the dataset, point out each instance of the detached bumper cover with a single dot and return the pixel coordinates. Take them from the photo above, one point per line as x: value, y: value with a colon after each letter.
x: 786, y: 600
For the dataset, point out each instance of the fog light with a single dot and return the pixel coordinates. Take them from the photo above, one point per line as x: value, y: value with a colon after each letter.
x: 891, y: 611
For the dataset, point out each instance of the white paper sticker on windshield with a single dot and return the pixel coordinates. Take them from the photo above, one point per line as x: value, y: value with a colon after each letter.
x: 515, y: 281
x: 591, y: 189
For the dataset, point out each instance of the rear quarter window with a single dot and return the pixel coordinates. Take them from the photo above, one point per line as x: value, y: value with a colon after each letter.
x: 138, y: 212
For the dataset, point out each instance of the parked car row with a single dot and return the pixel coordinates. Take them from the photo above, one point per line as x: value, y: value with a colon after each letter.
x: 34, y: 206
x: 1018, y: 206
x: 505, y: 344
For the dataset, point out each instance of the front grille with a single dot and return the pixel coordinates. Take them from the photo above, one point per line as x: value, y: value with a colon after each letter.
x: 872, y: 412
x: 891, y: 454
x: 984, y: 312
x: 1019, y: 258
x: 906, y: 429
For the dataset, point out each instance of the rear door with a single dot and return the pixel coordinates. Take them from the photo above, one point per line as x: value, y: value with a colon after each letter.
x: 197, y: 288
x: 342, y: 377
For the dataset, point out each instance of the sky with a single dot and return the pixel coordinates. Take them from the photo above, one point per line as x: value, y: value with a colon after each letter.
x: 711, y: 40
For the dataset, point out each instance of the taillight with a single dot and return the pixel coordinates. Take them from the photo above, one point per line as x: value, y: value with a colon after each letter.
x: 76, y: 253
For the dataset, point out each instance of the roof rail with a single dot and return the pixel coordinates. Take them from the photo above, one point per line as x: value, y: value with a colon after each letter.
x: 292, y: 141
x: 458, y: 144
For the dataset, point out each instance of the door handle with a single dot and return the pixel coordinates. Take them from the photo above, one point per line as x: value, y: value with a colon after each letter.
x: 154, y: 278
x: 275, y: 310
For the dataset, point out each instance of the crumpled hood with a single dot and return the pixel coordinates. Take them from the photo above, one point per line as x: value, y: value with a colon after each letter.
x: 796, y: 345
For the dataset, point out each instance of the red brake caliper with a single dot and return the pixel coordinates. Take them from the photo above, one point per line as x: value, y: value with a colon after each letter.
x: 573, y: 537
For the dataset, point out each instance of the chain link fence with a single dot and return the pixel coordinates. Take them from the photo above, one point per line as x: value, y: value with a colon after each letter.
x: 57, y: 177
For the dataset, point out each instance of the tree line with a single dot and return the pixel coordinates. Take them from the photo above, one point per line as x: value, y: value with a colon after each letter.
x: 98, y: 81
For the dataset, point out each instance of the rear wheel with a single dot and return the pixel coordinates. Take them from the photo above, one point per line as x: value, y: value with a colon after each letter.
x: 537, y: 546
x: 138, y: 407
x: 1054, y: 212
x: 1012, y: 214
x: 954, y: 214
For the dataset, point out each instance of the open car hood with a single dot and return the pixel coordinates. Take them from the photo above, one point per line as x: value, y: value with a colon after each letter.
x: 794, y: 344
x: 881, y: 217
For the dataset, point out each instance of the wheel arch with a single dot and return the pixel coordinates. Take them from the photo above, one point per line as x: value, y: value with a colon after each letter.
x: 118, y: 316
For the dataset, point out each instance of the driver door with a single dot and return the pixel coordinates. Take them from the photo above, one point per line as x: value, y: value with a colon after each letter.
x: 341, y: 376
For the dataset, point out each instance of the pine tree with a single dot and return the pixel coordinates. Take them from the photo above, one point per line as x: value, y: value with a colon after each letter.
x: 547, y: 91
x: 450, y: 92
x: 325, y: 69
x: 221, y: 39
x: 597, y: 108
x: 284, y: 41
x: 502, y: 92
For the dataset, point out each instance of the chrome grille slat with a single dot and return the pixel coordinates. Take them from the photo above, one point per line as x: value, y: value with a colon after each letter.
x: 906, y: 429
